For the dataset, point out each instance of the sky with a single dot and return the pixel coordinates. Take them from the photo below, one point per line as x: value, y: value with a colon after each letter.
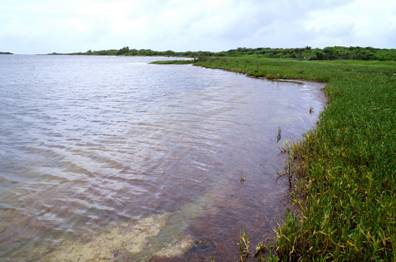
x: 43, y: 26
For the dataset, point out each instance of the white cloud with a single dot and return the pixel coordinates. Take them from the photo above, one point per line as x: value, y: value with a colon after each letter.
x: 360, y: 22
x: 76, y: 25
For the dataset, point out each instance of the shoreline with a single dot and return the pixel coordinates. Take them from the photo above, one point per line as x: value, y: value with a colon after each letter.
x: 320, y: 86
x: 343, y: 169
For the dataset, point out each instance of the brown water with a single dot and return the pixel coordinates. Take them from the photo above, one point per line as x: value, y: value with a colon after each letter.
x: 111, y: 158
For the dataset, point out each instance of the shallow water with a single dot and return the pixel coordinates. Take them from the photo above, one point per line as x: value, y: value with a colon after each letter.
x: 113, y: 158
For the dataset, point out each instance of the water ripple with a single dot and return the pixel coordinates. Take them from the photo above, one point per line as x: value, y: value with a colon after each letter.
x: 90, y: 143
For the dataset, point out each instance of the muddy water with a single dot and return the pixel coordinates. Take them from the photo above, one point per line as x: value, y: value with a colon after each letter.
x: 111, y: 158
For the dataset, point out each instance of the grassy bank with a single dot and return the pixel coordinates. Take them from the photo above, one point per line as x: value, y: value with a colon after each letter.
x: 346, y: 167
x: 173, y: 62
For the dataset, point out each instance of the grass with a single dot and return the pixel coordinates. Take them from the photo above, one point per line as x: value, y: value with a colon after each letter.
x: 244, y: 246
x: 173, y: 62
x: 346, y: 167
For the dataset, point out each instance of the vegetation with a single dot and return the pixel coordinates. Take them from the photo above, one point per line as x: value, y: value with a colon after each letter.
x: 126, y: 51
x: 173, y: 62
x: 306, y: 53
x: 345, y: 169
x: 328, y: 53
x: 244, y: 246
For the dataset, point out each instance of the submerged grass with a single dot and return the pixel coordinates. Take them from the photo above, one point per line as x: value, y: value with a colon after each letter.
x: 345, y: 169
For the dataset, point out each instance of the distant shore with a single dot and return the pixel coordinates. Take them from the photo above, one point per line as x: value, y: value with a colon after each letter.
x: 6, y: 53
x: 304, y: 53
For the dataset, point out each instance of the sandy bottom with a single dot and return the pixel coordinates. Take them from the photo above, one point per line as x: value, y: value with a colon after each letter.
x: 126, y: 242
x: 156, y: 236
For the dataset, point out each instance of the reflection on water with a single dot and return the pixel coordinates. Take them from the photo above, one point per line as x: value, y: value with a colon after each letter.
x: 114, y: 158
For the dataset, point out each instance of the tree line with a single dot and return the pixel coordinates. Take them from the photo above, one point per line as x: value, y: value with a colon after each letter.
x: 305, y: 53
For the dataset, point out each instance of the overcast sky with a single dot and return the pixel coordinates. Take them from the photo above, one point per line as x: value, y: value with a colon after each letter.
x: 42, y: 26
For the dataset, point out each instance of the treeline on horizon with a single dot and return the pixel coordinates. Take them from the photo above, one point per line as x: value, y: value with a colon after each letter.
x: 305, y: 53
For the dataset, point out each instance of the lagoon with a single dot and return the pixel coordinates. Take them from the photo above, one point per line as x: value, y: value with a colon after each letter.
x: 113, y: 157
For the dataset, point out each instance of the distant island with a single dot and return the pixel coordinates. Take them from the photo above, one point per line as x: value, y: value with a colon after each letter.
x: 6, y: 53
x: 304, y: 53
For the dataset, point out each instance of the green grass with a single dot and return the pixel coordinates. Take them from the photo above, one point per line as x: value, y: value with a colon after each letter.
x: 173, y: 62
x: 346, y: 167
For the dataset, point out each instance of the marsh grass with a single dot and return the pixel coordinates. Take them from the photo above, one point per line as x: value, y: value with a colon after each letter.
x: 344, y: 171
x: 173, y: 62
x: 244, y: 246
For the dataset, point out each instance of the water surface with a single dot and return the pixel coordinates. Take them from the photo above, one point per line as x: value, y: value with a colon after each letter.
x: 115, y: 158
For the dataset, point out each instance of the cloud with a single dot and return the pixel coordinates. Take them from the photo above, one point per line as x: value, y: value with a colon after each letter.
x: 43, y: 26
x: 360, y: 22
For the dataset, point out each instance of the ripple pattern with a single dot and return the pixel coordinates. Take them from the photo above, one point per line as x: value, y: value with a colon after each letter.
x: 90, y: 142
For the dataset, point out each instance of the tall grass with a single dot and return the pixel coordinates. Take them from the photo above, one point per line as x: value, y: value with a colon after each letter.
x: 346, y: 167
